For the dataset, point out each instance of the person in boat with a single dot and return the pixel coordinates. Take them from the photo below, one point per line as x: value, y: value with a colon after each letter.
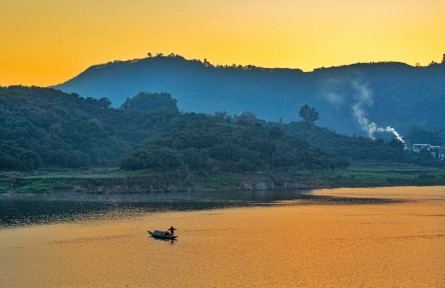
x: 171, y: 230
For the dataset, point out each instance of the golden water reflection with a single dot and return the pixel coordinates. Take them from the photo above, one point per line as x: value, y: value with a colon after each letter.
x: 380, y: 245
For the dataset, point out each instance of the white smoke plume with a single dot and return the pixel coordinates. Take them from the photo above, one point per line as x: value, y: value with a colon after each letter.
x: 364, y: 97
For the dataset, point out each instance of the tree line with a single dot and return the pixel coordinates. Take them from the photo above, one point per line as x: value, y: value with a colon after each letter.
x: 47, y: 128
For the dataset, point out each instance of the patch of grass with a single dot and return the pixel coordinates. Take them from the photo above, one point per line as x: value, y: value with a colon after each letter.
x: 218, y: 181
x: 84, y: 175
x: 376, y: 176
x: 3, y: 187
x: 363, y: 176
x: 42, y: 187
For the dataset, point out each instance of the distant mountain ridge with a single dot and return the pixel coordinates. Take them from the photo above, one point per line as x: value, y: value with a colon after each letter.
x: 390, y: 94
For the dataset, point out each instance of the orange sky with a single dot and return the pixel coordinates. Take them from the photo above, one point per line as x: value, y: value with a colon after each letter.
x: 45, y: 42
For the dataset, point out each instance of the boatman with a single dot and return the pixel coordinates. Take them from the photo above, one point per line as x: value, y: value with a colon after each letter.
x: 172, y: 230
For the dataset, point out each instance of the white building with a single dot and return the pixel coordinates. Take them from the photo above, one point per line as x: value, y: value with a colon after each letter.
x: 437, y: 152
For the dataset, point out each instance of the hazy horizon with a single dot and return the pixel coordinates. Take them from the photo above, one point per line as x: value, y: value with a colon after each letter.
x: 49, y: 42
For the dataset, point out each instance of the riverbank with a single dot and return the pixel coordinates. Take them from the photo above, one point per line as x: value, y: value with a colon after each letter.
x: 395, y: 244
x: 111, y: 180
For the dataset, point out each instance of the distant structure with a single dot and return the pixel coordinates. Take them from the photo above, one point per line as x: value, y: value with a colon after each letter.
x: 443, y: 59
x: 437, y: 152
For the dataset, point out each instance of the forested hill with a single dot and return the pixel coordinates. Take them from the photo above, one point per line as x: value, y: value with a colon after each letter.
x: 211, y: 146
x: 390, y: 94
x: 44, y: 127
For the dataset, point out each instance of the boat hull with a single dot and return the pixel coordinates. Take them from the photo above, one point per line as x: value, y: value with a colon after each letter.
x: 160, y: 236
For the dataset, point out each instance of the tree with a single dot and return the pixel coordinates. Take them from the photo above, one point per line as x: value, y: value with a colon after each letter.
x: 419, y: 135
x: 151, y: 102
x: 309, y: 114
x: 104, y: 102
x: 246, y: 119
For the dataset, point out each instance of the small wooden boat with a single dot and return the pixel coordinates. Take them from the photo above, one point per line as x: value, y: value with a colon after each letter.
x: 161, y: 235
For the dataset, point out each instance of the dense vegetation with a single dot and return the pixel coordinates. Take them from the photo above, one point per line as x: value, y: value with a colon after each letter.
x: 151, y: 103
x: 46, y: 128
x: 365, y: 149
x: 215, y: 147
x: 419, y: 135
x: 14, y: 157
x: 391, y: 94
x: 357, y: 148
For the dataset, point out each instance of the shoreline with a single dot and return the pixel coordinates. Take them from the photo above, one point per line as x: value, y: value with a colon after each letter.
x: 110, y: 181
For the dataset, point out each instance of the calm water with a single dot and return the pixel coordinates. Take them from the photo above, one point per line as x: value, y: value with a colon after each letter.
x: 20, y: 210
x: 265, y: 240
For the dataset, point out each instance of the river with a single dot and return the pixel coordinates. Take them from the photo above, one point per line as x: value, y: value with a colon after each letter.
x: 381, y: 237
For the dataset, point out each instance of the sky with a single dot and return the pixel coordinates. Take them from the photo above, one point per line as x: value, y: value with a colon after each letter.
x: 47, y: 42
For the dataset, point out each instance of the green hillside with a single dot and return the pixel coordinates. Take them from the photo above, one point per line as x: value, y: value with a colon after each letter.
x: 229, y: 148
x: 389, y: 93
x: 44, y: 128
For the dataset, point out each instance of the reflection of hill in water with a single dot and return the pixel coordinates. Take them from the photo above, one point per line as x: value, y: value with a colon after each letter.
x: 25, y: 210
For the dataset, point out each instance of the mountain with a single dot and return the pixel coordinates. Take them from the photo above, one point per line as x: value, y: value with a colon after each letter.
x: 389, y: 94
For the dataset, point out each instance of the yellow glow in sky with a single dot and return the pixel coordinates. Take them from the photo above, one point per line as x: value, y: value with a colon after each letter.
x: 46, y: 42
